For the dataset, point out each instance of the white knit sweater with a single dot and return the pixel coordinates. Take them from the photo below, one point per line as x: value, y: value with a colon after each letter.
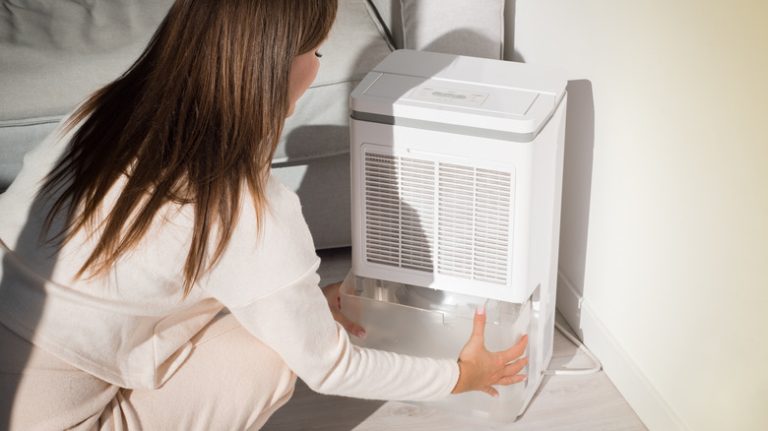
x: 132, y: 328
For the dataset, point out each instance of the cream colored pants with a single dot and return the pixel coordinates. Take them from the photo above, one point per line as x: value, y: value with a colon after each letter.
x: 231, y: 381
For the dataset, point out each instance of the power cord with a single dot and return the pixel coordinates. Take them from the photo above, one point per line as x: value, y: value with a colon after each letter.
x: 583, y: 348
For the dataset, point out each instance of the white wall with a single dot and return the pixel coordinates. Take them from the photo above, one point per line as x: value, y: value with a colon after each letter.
x: 665, y: 213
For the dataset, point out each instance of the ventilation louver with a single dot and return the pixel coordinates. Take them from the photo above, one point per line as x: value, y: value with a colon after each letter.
x: 438, y: 217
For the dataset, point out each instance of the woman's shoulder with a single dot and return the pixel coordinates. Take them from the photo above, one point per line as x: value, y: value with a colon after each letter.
x: 279, y: 193
x: 283, y: 205
x: 268, y: 254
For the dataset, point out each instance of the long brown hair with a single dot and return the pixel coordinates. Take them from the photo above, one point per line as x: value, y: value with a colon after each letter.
x: 193, y: 121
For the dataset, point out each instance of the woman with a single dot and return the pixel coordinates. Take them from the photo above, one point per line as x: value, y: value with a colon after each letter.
x: 151, y: 210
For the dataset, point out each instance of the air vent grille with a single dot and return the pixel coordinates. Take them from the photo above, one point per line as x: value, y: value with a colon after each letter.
x: 399, y: 211
x: 409, y: 201
x: 473, y: 223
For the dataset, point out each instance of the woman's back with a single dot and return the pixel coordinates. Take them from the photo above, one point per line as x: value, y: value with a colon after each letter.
x: 23, y: 211
x: 130, y: 325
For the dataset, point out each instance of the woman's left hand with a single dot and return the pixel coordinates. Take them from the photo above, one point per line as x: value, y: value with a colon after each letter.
x: 333, y: 297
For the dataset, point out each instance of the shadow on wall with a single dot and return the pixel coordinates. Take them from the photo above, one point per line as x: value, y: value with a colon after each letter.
x: 577, y: 189
x: 577, y: 183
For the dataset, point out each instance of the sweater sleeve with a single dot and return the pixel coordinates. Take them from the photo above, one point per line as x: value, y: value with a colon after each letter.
x: 269, y: 283
x: 296, y: 322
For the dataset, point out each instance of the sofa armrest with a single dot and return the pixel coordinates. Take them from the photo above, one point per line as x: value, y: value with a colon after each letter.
x: 461, y: 27
x: 388, y: 12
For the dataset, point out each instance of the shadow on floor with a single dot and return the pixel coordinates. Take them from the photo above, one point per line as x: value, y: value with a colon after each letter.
x: 308, y: 410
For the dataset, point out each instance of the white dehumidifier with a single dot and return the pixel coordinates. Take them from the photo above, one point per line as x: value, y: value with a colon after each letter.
x: 456, y: 184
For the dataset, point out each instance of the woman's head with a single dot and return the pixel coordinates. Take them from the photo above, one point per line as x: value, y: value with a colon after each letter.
x: 195, y: 120
x: 250, y: 55
x: 267, y: 41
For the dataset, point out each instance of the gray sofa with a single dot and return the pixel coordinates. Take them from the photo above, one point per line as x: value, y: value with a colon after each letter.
x: 54, y: 53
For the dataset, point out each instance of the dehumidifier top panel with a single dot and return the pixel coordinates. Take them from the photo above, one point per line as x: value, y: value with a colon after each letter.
x: 419, y: 88
x: 485, y: 71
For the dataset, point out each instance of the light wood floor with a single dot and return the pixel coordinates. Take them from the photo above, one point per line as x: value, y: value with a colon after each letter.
x: 570, y: 403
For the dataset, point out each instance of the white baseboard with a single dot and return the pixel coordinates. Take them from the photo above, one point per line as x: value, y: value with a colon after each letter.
x: 633, y: 385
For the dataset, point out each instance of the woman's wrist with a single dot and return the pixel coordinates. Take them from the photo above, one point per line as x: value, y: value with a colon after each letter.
x: 459, y: 388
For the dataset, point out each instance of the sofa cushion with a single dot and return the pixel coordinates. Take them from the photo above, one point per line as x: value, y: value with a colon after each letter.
x: 388, y: 13
x: 460, y: 27
x: 56, y: 53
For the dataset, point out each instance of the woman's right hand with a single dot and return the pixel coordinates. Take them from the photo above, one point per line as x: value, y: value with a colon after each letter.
x: 479, y: 368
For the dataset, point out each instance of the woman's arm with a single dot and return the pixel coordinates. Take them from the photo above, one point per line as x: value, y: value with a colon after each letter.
x: 268, y: 280
x: 297, y: 323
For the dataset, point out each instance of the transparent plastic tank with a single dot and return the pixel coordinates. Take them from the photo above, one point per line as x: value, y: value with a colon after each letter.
x: 426, y: 322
